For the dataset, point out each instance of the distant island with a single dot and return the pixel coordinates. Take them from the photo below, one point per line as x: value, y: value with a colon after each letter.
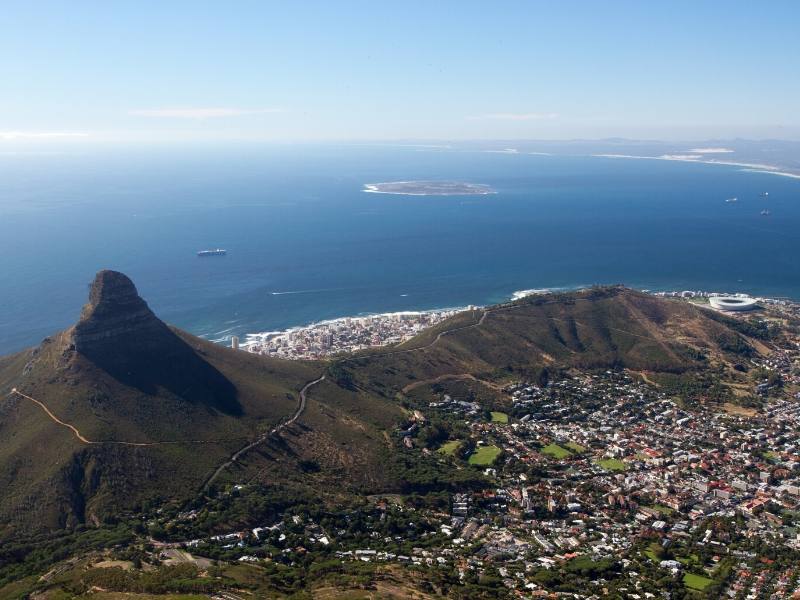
x: 429, y: 188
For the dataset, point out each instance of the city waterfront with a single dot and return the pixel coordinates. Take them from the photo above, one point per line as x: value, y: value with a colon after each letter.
x: 348, y: 334
x: 351, y: 334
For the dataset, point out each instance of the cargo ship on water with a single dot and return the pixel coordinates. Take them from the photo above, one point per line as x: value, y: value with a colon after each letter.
x: 214, y: 252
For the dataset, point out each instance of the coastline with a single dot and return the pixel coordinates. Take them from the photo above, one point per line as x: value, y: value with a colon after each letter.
x: 318, y: 339
x: 699, y: 158
x: 695, y: 155
x: 400, y: 313
x: 206, y: 296
x: 383, y: 329
x: 346, y: 334
x: 259, y: 336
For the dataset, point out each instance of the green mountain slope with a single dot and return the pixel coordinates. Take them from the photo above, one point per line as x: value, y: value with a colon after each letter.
x: 598, y: 328
x: 160, y: 408
x: 141, y: 412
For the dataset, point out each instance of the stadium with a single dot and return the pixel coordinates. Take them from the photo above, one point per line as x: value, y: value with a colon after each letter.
x: 732, y: 303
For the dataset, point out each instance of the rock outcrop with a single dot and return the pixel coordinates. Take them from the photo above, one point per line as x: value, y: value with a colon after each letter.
x: 118, y: 333
x: 115, y: 315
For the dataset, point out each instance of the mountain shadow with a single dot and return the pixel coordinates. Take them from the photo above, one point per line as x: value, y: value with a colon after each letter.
x: 119, y: 333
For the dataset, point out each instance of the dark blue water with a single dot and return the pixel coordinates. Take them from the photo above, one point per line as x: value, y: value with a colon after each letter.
x: 306, y: 244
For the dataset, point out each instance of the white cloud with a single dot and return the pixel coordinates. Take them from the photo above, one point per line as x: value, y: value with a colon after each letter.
x: 40, y: 135
x: 201, y: 113
x: 515, y: 117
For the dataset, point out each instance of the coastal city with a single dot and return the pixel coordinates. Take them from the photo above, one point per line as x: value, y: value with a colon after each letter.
x: 400, y: 301
x: 600, y: 484
x: 348, y: 334
x: 700, y: 295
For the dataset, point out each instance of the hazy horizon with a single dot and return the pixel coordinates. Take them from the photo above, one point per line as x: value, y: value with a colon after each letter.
x: 359, y: 72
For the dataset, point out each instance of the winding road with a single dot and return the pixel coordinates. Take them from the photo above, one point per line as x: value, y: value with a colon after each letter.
x: 53, y: 417
x: 301, y: 406
x: 84, y: 440
x: 302, y: 403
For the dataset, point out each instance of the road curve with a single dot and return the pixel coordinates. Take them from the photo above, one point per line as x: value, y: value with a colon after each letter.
x: 301, y: 406
x: 84, y: 440
x: 53, y: 417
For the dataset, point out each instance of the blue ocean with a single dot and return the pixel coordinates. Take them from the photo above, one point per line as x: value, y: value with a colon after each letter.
x: 305, y: 243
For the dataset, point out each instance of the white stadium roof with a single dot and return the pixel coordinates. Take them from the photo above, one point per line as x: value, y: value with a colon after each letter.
x: 732, y: 302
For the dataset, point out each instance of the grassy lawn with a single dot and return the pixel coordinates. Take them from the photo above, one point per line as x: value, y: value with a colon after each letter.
x: 450, y: 447
x: 664, y: 510
x: 575, y: 447
x: 612, y: 464
x: 556, y: 451
x: 484, y: 456
x: 499, y: 417
x: 696, y: 582
x: 652, y: 552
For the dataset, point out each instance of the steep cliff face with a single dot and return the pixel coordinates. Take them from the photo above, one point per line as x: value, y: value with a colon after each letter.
x: 158, y: 410
x: 118, y: 333
x: 116, y: 316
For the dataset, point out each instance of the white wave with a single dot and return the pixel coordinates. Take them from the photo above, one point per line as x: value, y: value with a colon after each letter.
x: 519, y: 294
x: 253, y: 338
x: 225, y: 331
x: 711, y: 151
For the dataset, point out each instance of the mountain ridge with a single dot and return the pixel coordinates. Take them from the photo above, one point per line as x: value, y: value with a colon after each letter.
x: 164, y: 412
x: 145, y: 395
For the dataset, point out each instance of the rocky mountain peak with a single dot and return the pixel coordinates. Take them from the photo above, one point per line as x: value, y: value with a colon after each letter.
x: 115, y: 312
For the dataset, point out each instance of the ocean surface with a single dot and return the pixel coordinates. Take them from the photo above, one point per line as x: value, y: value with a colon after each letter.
x: 305, y: 243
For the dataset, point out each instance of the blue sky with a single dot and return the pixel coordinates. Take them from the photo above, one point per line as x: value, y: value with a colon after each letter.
x: 163, y: 70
